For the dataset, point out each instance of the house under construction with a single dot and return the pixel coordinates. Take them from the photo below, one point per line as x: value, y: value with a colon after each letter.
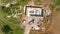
x: 35, y: 18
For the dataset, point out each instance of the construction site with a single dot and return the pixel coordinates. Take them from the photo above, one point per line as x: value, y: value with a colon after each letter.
x: 29, y: 16
x: 38, y: 17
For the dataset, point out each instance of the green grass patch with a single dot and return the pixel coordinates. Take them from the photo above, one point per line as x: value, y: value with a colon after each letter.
x: 22, y: 2
x: 6, y: 1
x: 18, y: 30
x: 37, y: 1
x: 19, y: 2
x: 11, y: 22
x: 57, y: 2
x: 58, y: 9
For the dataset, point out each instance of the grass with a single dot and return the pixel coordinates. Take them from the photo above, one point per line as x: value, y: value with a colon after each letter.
x: 6, y: 1
x: 16, y: 29
x: 19, y: 2
x: 58, y: 9
x: 22, y: 2
x: 37, y: 1
x: 11, y: 22
x: 57, y: 2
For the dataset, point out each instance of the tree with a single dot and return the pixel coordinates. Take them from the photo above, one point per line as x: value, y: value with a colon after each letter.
x: 6, y: 28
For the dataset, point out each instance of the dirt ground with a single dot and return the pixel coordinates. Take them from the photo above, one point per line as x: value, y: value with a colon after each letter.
x: 56, y: 25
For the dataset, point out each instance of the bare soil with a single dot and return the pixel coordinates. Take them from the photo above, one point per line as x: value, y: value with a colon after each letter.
x: 56, y: 25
